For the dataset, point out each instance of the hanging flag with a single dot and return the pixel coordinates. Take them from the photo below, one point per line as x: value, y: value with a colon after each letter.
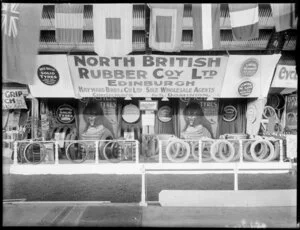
x: 165, y: 31
x: 112, y: 29
x: 20, y: 41
x: 244, y: 21
x: 69, y: 23
x: 283, y: 16
x: 206, y: 26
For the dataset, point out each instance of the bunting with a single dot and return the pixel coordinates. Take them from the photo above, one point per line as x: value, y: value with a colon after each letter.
x: 112, y: 29
x: 244, y: 21
x: 20, y: 31
x: 283, y: 15
x: 69, y: 23
x: 165, y: 31
x: 206, y: 26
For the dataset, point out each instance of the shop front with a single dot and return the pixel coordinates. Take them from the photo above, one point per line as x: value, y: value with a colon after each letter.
x: 150, y: 109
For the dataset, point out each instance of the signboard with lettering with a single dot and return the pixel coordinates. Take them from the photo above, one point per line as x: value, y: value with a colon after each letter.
x: 249, y: 75
x: 65, y: 114
x: 148, y: 105
x: 130, y: 113
x: 164, y: 113
x: 13, y: 99
x: 285, y: 77
x: 150, y: 76
x: 52, y: 78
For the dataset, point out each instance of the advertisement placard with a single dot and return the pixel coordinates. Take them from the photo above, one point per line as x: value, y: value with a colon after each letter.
x: 285, y: 77
x: 13, y: 99
x: 150, y: 76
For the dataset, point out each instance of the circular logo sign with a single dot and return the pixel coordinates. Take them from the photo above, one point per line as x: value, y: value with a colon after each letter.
x: 65, y: 114
x: 165, y: 114
x: 130, y: 113
x: 229, y: 113
x: 245, y: 88
x: 48, y: 74
x: 249, y: 67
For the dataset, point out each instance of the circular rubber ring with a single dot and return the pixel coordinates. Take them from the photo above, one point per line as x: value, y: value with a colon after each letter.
x: 214, y: 150
x: 81, y: 160
x: 171, y: 157
x: 112, y: 160
x: 253, y: 153
x: 42, y: 153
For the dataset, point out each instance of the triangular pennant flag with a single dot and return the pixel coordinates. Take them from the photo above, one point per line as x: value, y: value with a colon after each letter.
x: 165, y: 31
x: 69, y: 23
x: 244, y: 21
x: 112, y: 29
x: 283, y: 16
x: 206, y: 26
x: 20, y: 41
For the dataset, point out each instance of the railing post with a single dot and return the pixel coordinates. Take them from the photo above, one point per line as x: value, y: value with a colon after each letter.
x: 143, y: 187
x: 241, y: 150
x: 137, y: 155
x: 236, y: 183
x: 96, y: 153
x: 56, y: 152
x: 160, y: 151
x: 15, y: 153
x: 280, y: 150
x: 200, y: 151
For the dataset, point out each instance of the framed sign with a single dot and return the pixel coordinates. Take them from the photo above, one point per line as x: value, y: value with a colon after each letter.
x: 164, y: 114
x: 65, y: 114
x: 148, y: 105
x: 130, y: 113
x: 229, y: 113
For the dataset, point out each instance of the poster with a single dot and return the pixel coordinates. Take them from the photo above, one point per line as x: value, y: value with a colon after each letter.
x: 13, y: 99
x: 98, y: 119
x: 198, y: 118
x: 150, y: 76
x: 285, y: 77
x: 291, y: 114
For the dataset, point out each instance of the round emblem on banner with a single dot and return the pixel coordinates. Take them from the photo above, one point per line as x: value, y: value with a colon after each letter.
x: 245, y: 88
x: 249, y: 67
x: 65, y: 114
x: 130, y: 113
x: 165, y: 113
x: 48, y: 74
x: 229, y: 113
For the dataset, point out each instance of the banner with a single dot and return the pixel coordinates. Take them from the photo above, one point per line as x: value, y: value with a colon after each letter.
x: 52, y: 78
x: 283, y: 16
x: 285, y: 77
x: 69, y: 23
x: 13, y: 99
x: 198, y: 118
x: 98, y: 119
x: 244, y: 21
x: 206, y: 26
x: 254, y: 115
x: 249, y: 75
x: 20, y: 41
x: 112, y: 29
x: 165, y: 30
x: 149, y: 76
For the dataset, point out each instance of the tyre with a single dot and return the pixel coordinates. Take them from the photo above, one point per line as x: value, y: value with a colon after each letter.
x: 34, y: 153
x: 262, y: 157
x: 77, y: 152
x: 113, y: 152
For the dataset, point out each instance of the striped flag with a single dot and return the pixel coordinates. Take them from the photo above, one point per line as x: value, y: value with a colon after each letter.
x: 69, y: 23
x: 244, y: 21
x: 112, y: 29
x: 165, y: 31
x: 283, y: 15
x: 20, y: 29
x: 206, y: 26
